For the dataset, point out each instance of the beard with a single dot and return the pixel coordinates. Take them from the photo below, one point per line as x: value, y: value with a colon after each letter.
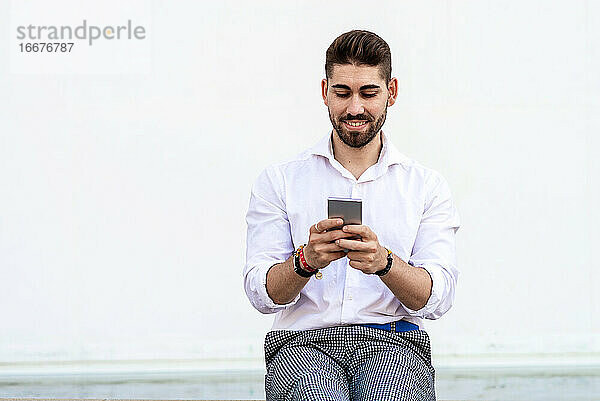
x: 358, y: 139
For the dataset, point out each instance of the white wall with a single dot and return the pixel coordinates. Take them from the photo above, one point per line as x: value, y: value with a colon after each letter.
x: 124, y: 191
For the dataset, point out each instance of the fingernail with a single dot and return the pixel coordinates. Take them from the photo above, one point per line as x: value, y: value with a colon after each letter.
x: 345, y: 228
x: 337, y: 242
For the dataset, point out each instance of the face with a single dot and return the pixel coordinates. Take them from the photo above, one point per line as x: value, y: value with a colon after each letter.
x: 357, y: 98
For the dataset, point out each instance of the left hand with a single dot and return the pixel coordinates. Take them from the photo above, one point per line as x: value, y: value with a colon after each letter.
x: 366, y: 255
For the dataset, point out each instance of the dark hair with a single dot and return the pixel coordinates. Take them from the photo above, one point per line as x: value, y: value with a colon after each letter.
x: 360, y: 48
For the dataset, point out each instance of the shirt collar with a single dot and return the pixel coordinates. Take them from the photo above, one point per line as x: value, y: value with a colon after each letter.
x: 389, y: 153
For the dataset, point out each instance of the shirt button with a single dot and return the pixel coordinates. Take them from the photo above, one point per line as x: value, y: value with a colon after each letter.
x: 350, y: 297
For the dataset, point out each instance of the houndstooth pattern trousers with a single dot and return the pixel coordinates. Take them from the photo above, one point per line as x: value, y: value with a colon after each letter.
x: 348, y: 363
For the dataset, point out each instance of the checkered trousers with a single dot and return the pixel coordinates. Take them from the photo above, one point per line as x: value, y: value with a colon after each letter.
x: 348, y: 363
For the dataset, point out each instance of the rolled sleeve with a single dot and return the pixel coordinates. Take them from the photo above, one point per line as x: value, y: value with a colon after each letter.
x: 268, y: 240
x: 256, y: 289
x: 435, y: 249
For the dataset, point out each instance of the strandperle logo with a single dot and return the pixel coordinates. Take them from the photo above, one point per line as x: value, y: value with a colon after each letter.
x: 87, y: 32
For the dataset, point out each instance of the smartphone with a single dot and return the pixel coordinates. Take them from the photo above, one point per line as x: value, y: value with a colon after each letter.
x: 348, y: 209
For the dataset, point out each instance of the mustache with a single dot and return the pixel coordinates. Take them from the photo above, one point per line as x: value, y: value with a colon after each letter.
x: 357, y: 117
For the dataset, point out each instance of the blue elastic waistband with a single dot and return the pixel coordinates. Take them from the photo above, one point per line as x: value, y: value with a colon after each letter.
x: 399, y: 326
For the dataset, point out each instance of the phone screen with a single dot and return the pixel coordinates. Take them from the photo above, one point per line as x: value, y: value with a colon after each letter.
x: 348, y: 209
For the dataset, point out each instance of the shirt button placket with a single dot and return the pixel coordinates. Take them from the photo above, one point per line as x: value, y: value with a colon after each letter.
x: 348, y: 308
x: 355, y: 191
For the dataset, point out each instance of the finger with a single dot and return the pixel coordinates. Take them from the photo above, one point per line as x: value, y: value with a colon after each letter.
x: 329, y: 247
x: 356, y: 245
x: 358, y: 256
x: 334, y: 235
x: 356, y: 264
x: 362, y: 230
x: 325, y: 225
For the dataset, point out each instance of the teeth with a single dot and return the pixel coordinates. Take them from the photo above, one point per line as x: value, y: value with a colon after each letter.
x: 355, y: 124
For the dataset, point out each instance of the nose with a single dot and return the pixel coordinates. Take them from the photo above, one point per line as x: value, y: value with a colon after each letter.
x: 355, y: 107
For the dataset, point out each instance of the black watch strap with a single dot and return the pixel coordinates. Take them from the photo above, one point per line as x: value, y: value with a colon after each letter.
x: 388, y: 266
x: 298, y: 269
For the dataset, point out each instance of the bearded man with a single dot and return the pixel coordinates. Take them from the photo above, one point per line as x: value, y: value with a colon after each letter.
x: 349, y: 303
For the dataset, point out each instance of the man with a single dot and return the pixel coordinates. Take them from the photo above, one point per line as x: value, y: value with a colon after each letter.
x: 349, y: 312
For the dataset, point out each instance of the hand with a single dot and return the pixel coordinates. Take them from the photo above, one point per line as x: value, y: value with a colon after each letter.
x: 321, y: 248
x: 366, y: 255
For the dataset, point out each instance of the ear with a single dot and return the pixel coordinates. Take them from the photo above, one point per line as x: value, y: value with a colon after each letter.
x: 324, y: 91
x: 392, y: 91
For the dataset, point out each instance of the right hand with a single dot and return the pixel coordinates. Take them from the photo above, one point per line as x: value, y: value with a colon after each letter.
x: 321, y: 248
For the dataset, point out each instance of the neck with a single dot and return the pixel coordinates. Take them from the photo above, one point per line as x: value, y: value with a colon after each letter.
x: 357, y: 160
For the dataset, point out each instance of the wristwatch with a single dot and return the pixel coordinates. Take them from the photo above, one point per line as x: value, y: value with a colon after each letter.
x: 388, y: 266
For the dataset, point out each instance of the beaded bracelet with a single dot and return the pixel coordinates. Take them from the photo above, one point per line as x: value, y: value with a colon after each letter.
x: 299, y: 270
x: 301, y: 267
x: 388, y: 266
x: 300, y: 261
x: 305, y: 265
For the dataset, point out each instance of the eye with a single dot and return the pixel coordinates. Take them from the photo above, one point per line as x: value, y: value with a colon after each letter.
x: 342, y: 95
x: 369, y: 94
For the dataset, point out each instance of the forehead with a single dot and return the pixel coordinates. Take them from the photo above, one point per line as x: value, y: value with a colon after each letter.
x: 356, y: 75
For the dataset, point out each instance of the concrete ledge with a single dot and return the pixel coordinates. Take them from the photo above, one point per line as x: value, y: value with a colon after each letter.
x: 119, y: 399
x: 573, y: 363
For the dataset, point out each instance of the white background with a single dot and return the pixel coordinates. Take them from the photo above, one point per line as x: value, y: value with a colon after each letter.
x: 123, y: 193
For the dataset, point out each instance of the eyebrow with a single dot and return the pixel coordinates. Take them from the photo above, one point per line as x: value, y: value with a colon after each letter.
x: 362, y: 88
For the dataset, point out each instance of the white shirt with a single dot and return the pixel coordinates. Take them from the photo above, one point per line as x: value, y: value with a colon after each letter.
x: 408, y: 206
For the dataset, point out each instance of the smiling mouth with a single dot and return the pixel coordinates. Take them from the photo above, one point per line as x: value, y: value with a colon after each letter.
x: 355, y: 124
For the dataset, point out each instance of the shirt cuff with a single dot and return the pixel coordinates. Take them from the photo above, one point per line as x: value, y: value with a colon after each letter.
x: 264, y: 295
x: 437, y: 288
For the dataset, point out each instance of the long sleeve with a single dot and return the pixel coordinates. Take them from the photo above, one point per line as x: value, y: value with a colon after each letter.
x: 434, y: 249
x: 268, y: 239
